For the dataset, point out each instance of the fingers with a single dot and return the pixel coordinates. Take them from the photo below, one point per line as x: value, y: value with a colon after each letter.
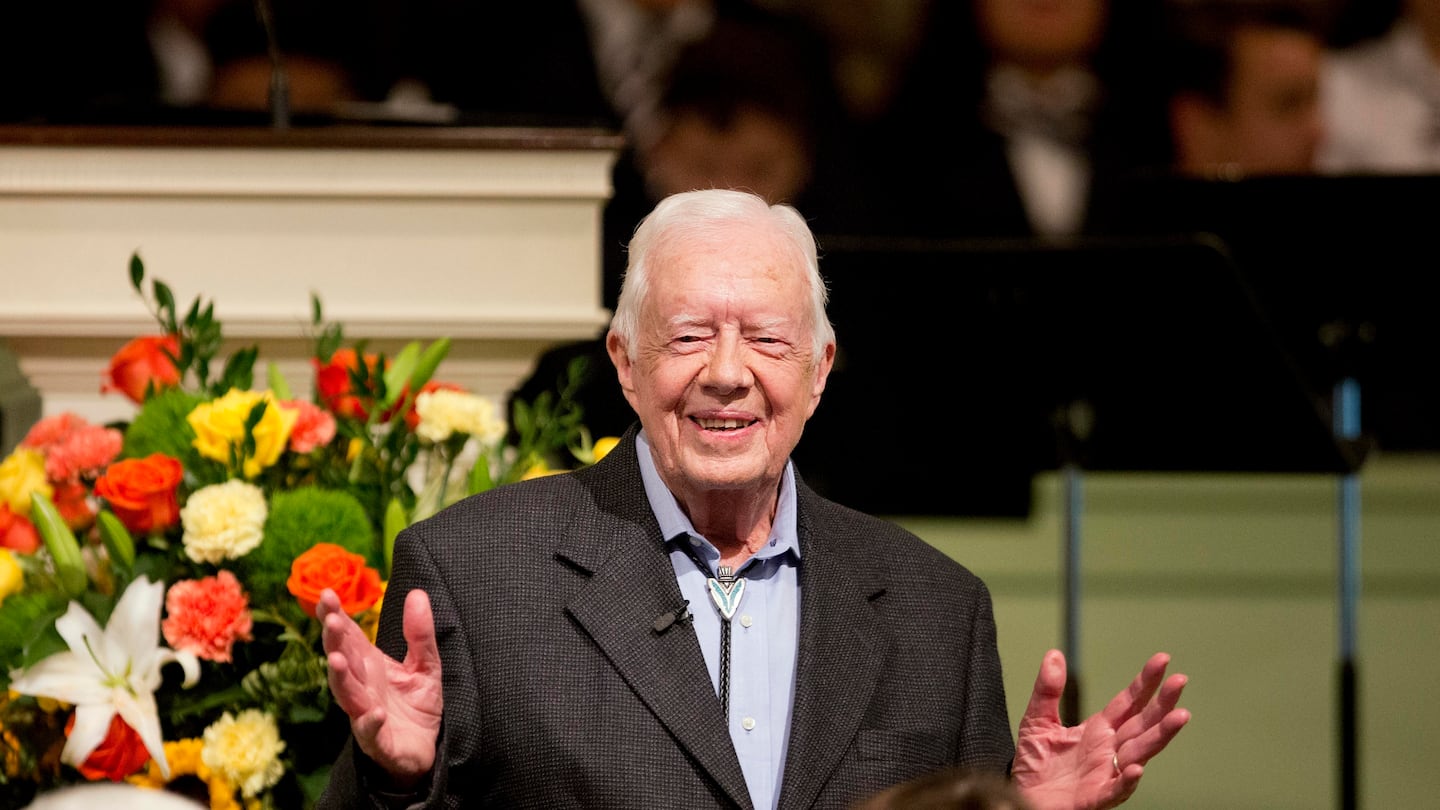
x: 1133, y: 698
x: 419, y: 623
x: 1139, y: 749
x: 338, y: 632
x: 1044, y: 702
x: 1147, y: 734
x: 1156, y: 709
x: 347, y: 653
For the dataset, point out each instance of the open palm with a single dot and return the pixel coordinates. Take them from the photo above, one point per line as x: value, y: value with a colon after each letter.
x: 1098, y: 763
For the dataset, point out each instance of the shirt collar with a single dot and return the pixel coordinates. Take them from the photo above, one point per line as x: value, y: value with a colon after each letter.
x: 675, y: 523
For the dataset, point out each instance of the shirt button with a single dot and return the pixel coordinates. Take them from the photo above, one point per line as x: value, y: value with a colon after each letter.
x: 748, y: 723
x: 694, y: 541
x: 746, y: 620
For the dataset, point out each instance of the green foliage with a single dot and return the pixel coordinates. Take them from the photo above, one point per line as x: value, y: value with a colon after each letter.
x: 293, y: 688
x: 552, y: 423
x: 119, y: 545
x: 199, y: 333
x: 27, y: 628
x: 61, y: 543
x: 160, y: 427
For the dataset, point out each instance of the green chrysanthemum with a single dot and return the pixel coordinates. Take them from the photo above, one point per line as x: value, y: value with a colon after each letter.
x: 298, y: 520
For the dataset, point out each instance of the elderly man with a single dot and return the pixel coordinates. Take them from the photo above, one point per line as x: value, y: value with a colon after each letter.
x: 685, y: 623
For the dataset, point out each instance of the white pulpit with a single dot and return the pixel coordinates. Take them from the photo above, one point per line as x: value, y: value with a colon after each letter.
x: 490, y: 237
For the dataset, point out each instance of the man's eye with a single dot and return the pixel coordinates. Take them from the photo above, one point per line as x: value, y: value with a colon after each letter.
x: 687, y: 339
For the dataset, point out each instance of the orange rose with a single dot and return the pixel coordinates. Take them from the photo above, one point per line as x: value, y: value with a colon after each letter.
x: 17, y: 533
x: 143, y: 365
x: 120, y: 754
x: 141, y: 492
x: 326, y: 565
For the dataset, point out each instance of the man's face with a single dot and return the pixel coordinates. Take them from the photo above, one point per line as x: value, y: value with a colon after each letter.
x: 1273, y: 118
x: 758, y: 151
x: 1042, y: 35
x: 724, y: 376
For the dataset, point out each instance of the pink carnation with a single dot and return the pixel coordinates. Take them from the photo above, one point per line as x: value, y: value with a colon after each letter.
x: 52, y: 429
x: 314, y: 426
x: 207, y: 616
x: 73, y: 447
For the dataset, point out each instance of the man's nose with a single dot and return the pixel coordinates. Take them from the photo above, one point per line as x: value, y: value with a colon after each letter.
x: 727, y: 369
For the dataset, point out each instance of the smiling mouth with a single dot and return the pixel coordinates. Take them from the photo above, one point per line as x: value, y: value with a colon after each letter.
x: 723, y: 424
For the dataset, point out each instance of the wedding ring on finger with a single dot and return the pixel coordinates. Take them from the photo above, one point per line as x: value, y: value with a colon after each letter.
x: 1115, y: 760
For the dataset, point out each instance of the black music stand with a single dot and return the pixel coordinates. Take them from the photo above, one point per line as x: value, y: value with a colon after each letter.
x: 1343, y: 267
x: 966, y: 364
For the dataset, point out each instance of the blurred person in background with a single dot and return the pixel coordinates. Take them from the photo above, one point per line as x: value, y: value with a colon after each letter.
x: 328, y: 50
x: 950, y: 789
x: 870, y: 43
x: 1244, y: 98
x: 1380, y: 95
x: 1012, y: 114
x: 749, y: 105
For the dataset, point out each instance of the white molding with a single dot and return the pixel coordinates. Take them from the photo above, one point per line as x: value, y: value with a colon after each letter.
x: 491, y: 239
x: 302, y: 172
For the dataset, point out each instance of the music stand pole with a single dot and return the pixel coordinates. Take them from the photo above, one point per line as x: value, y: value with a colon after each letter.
x: 1347, y: 428
x: 1072, y: 423
x: 1074, y: 495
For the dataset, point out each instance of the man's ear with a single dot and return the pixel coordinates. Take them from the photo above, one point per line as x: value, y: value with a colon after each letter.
x: 822, y: 374
x: 624, y: 369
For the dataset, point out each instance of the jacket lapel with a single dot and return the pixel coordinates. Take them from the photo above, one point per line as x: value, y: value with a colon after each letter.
x: 632, y: 583
x: 838, y: 662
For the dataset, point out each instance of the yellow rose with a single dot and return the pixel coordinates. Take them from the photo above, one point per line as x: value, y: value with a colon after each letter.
x: 539, y: 470
x: 22, y: 473
x: 220, y: 424
x: 604, y: 445
x: 12, y: 578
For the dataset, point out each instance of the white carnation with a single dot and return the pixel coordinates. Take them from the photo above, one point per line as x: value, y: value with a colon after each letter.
x: 223, y: 521
x: 444, y: 413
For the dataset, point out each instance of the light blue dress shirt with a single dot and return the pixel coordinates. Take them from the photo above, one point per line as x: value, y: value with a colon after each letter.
x: 764, y: 630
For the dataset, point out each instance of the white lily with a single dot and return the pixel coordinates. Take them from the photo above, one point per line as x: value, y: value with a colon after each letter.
x: 110, y: 671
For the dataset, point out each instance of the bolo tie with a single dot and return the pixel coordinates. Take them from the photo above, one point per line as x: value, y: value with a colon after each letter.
x: 726, y: 589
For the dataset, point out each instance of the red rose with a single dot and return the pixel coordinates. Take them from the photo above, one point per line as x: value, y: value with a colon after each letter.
x: 120, y: 754
x: 332, y: 382
x: 72, y: 501
x: 326, y: 565
x: 17, y: 533
x: 141, y: 492
x: 142, y: 365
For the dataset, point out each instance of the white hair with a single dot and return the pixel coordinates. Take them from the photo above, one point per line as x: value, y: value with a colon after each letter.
x: 695, y: 216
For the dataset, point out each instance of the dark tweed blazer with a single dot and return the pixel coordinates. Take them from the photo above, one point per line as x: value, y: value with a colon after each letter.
x: 560, y: 693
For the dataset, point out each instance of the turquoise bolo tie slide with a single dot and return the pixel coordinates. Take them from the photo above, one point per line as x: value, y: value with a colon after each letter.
x: 726, y: 590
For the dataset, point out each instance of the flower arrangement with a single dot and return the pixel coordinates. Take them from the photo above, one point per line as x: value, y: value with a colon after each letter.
x: 158, y: 578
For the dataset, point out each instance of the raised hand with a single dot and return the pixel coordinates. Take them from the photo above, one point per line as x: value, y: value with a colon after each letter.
x: 1098, y: 763
x: 394, y: 707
